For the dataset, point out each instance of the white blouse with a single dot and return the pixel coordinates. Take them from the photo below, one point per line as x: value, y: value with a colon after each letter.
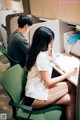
x: 35, y: 86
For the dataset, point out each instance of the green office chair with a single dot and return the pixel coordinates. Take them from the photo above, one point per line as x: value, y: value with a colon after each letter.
x: 11, y: 60
x: 13, y: 81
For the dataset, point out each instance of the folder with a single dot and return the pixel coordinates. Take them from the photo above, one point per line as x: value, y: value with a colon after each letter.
x: 76, y: 49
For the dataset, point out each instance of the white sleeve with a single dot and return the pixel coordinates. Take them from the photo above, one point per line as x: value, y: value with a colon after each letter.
x: 42, y: 62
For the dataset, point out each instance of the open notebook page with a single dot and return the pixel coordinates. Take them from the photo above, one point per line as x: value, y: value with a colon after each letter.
x: 66, y: 63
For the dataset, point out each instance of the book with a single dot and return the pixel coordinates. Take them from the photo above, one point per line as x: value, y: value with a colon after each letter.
x: 67, y: 47
x: 66, y: 63
x: 76, y: 49
x: 70, y: 39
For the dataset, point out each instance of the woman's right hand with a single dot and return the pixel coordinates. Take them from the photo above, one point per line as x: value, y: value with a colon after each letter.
x: 73, y: 71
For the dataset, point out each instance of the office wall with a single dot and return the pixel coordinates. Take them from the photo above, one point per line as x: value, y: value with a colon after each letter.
x: 57, y: 27
x: 12, y: 5
x: 2, y: 4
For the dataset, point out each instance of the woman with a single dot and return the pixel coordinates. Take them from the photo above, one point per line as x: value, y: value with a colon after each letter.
x: 41, y: 89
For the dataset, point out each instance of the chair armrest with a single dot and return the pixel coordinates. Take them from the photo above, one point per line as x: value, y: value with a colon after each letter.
x: 4, y: 51
x: 20, y: 106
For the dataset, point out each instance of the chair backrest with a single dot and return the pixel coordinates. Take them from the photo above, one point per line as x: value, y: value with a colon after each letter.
x: 11, y: 60
x: 13, y: 81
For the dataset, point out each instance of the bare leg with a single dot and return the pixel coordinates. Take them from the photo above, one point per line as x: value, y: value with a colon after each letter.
x: 59, y: 95
x: 69, y: 101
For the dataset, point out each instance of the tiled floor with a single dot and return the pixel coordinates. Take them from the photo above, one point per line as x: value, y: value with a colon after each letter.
x: 5, y: 109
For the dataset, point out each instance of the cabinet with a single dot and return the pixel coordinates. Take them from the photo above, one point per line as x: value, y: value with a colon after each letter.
x: 69, y: 11
x: 65, y: 10
x: 44, y: 8
x: 36, y: 7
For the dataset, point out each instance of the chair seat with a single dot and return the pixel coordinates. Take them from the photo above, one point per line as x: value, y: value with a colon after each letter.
x: 48, y: 113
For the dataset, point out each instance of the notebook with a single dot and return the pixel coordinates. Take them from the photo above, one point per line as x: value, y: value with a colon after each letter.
x: 66, y: 63
x: 76, y: 49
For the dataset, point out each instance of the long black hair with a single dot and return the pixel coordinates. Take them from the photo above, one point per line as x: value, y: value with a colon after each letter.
x: 40, y: 41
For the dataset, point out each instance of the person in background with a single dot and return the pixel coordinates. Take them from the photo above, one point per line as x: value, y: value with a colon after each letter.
x: 18, y: 46
x: 41, y: 90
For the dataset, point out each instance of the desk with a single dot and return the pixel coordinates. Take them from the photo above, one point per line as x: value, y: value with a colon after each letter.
x: 72, y: 79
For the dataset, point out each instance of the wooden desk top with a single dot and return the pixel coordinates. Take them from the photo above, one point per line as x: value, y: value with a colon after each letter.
x: 72, y: 79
